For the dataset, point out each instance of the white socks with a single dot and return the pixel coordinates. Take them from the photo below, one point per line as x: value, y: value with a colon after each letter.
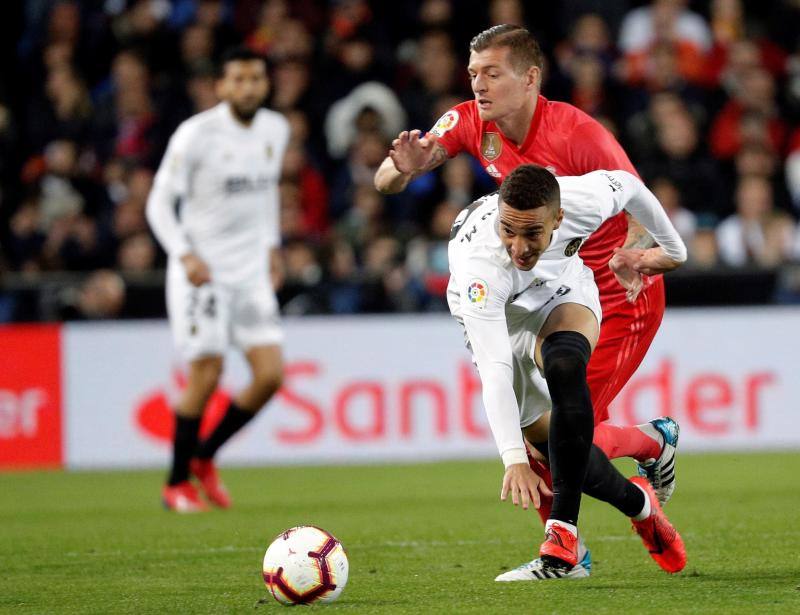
x: 647, y: 507
x: 573, y: 529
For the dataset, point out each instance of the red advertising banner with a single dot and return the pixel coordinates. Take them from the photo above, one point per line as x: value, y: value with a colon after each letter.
x: 30, y: 397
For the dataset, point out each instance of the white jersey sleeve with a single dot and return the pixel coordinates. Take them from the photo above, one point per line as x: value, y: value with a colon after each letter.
x: 172, y: 182
x: 644, y: 206
x: 280, y: 131
x: 589, y: 200
x: 484, y: 292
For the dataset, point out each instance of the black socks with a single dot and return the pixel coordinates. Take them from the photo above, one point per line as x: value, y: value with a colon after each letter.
x: 183, y: 449
x: 235, y: 418
x: 565, y: 355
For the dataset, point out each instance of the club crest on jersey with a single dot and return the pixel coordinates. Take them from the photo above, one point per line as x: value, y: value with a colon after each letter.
x: 445, y: 123
x: 573, y: 246
x: 269, y: 152
x: 491, y: 146
x: 478, y: 293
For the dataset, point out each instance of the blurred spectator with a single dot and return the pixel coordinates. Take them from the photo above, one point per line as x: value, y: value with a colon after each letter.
x: 125, y: 115
x: 302, y: 292
x: 506, y: 11
x: 369, y: 107
x: 271, y: 18
x: 26, y: 237
x: 663, y: 20
x: 102, y: 295
x: 435, y: 67
x: 705, y: 109
x: 684, y: 221
x: 751, y: 116
x: 343, y: 285
x: 290, y: 83
x: 680, y: 155
x: 365, y: 219
x: 137, y: 254
x: 427, y: 255
x: 756, y: 234
x: 365, y: 156
x: 703, y: 251
x: 64, y: 113
x: 664, y: 35
x: 313, y: 191
x: 793, y: 171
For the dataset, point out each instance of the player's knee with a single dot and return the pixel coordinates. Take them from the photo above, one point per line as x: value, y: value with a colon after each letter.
x: 565, y: 355
x: 268, y: 381
x: 205, y: 373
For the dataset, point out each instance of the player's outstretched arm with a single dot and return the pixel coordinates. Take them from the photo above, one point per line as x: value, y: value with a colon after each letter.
x: 410, y: 156
x: 650, y: 226
x: 524, y: 485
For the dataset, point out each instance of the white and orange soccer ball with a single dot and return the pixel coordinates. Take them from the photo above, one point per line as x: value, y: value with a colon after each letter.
x: 305, y: 564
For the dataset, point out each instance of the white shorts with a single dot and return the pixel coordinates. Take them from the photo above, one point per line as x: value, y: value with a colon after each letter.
x: 526, y: 317
x: 207, y: 320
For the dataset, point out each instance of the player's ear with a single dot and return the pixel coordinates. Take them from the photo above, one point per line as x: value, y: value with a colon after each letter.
x: 559, y: 218
x: 533, y: 76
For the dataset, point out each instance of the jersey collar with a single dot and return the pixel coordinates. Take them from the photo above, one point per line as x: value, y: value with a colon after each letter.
x: 541, y: 102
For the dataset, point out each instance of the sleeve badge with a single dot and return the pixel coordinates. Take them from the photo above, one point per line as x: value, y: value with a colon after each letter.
x: 445, y: 123
x: 478, y: 293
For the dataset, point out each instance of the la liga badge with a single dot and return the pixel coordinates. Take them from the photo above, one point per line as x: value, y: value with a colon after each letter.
x: 478, y: 293
x: 445, y: 123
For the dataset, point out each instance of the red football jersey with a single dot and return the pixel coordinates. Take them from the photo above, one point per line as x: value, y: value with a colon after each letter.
x: 563, y: 139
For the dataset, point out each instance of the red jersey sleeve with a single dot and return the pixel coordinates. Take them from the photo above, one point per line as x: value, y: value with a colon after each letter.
x: 456, y: 129
x: 594, y: 148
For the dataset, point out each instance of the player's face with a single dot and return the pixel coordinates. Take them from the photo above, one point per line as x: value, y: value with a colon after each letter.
x: 499, y: 90
x: 244, y: 85
x: 526, y: 234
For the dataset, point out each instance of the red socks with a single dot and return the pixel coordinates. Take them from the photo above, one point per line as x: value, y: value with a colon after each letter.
x: 631, y: 441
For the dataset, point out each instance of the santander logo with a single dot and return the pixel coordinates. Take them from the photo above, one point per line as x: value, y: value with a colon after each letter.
x: 153, y: 414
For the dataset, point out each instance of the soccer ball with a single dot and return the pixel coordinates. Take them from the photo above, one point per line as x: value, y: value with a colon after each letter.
x: 305, y: 564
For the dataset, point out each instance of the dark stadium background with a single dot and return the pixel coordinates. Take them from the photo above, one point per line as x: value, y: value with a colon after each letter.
x: 91, y: 91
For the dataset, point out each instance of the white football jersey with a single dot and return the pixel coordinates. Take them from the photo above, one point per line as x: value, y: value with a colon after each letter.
x: 494, y: 300
x: 225, y: 176
x: 485, y: 283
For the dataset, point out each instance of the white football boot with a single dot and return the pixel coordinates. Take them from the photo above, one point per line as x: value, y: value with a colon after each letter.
x: 660, y: 473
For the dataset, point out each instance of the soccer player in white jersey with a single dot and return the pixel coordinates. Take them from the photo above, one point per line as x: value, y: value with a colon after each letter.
x: 531, y: 314
x: 214, y: 207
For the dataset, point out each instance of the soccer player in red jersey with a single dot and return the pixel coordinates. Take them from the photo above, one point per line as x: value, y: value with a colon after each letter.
x: 509, y: 123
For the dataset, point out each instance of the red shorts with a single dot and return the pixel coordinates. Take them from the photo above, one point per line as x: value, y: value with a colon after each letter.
x: 625, y: 336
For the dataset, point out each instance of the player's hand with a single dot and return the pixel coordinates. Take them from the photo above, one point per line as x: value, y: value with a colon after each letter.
x: 196, y: 269
x: 412, y: 153
x: 623, y: 265
x: 653, y: 261
x: 524, y: 485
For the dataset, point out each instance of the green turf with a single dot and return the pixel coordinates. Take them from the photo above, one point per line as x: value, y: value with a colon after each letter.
x: 421, y: 539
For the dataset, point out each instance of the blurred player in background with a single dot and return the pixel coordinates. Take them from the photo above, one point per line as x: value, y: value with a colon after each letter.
x: 509, y: 123
x: 215, y: 207
x: 531, y: 313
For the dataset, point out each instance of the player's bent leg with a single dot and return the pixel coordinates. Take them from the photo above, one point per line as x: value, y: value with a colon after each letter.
x: 628, y: 441
x: 179, y: 494
x: 267, y: 368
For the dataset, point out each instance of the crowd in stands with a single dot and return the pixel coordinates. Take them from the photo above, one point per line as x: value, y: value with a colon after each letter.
x: 705, y: 97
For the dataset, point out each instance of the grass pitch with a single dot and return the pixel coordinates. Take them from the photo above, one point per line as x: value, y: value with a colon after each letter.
x: 421, y: 539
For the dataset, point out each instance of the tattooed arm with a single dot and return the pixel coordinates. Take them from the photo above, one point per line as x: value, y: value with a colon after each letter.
x: 409, y: 157
x: 638, y: 237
